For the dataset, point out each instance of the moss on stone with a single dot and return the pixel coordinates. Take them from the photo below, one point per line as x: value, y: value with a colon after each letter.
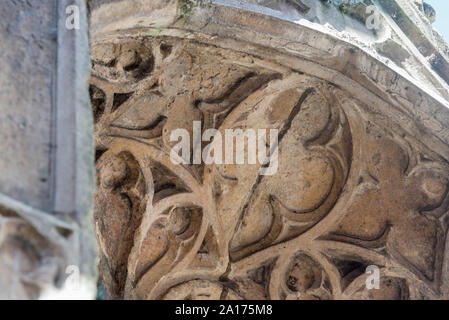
x: 356, y: 11
x: 186, y: 7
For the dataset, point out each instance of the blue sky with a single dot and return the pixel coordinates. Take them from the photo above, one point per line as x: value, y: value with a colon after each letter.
x: 442, y: 22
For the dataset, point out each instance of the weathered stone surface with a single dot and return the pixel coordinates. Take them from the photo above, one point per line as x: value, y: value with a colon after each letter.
x: 46, y: 160
x: 27, y: 81
x: 363, y: 174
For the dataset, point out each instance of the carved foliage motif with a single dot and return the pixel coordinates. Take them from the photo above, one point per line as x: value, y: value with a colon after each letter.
x: 347, y: 194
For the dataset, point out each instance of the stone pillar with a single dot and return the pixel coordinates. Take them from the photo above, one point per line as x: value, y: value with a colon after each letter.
x: 360, y: 104
x: 46, y: 159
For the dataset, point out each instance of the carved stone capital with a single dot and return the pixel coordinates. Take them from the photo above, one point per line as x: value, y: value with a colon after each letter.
x: 362, y: 174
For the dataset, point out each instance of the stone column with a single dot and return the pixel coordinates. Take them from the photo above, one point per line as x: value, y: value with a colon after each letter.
x: 46, y: 159
x: 359, y: 97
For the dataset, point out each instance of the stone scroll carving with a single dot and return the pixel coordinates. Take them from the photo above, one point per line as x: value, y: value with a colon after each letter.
x: 348, y: 193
